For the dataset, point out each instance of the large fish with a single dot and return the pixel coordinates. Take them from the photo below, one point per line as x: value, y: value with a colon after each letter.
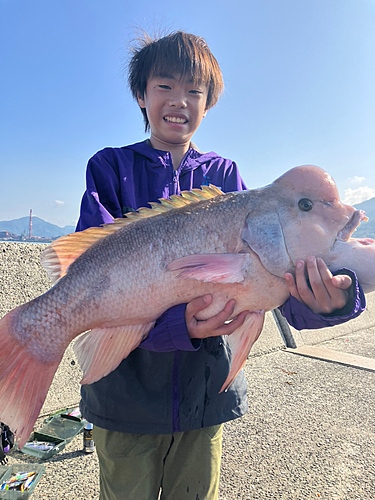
x: 118, y: 279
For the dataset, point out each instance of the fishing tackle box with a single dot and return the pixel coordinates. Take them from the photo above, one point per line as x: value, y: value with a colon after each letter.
x: 7, y: 472
x: 59, y: 429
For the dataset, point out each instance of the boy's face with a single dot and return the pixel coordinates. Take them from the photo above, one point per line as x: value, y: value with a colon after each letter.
x: 175, y: 108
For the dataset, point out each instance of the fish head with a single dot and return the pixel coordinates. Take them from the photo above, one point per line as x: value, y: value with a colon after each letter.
x: 303, y: 215
x: 312, y: 216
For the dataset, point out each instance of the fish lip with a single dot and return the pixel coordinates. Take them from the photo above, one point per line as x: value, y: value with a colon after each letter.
x: 346, y: 232
x: 364, y: 241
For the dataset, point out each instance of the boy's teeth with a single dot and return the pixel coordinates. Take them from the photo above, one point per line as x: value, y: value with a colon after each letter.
x: 174, y: 119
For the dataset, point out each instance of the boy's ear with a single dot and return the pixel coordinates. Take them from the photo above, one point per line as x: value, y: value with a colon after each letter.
x: 141, y: 101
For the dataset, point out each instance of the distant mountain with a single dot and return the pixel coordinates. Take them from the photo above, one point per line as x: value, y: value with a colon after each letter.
x: 368, y: 206
x: 40, y: 227
x: 366, y: 229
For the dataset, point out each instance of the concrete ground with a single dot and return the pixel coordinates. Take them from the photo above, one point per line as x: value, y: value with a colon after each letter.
x: 309, y: 432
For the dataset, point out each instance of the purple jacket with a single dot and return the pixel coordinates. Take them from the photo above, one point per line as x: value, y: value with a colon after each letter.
x: 170, y: 383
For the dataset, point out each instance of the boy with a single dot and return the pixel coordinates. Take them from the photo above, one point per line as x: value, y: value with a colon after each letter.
x: 158, y: 417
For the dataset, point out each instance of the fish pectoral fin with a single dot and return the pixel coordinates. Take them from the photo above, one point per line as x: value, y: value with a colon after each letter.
x: 264, y: 235
x: 213, y: 267
x: 240, y: 343
x: 101, y: 350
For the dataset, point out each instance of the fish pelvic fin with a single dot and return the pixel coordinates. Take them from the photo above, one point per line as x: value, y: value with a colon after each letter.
x: 24, y: 382
x: 62, y: 252
x: 212, y: 267
x: 101, y: 350
x: 240, y: 343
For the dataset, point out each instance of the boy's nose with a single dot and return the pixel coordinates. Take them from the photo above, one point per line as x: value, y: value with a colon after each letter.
x: 178, y: 101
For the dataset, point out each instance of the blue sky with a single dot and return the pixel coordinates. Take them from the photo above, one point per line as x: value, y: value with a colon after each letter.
x: 299, y: 88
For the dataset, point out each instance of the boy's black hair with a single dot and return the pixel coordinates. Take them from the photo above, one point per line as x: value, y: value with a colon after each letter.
x: 177, y: 53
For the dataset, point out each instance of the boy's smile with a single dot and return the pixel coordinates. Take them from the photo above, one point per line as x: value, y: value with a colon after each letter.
x: 175, y: 119
x: 175, y: 107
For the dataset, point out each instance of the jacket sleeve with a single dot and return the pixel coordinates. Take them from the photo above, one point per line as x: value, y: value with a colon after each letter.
x: 170, y: 333
x: 100, y: 202
x: 233, y: 180
x: 301, y: 317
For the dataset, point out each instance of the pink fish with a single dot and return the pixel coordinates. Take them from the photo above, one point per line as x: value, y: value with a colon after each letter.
x: 113, y: 282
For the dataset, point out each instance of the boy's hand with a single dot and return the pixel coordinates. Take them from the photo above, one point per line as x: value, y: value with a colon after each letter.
x: 214, y: 326
x: 327, y: 292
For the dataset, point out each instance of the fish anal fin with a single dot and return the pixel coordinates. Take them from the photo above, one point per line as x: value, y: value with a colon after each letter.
x: 212, y: 267
x: 240, y: 343
x: 101, y: 350
x: 24, y: 382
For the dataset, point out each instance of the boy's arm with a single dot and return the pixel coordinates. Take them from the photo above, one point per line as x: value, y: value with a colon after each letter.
x: 170, y: 333
x: 178, y: 328
x: 232, y: 179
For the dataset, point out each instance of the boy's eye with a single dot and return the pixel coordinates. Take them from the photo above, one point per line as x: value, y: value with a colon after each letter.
x: 164, y: 86
x: 196, y: 92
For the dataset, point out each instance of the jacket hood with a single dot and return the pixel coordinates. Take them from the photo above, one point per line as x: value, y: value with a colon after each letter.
x: 158, y: 157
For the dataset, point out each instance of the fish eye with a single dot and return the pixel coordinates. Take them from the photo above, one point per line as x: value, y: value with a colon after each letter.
x: 305, y: 205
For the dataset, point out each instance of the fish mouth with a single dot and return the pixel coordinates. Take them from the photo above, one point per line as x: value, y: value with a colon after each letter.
x: 347, y: 231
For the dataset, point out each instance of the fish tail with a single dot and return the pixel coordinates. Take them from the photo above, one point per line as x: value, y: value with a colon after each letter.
x: 24, y: 381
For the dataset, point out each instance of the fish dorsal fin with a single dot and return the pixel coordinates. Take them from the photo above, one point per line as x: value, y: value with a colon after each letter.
x: 62, y: 252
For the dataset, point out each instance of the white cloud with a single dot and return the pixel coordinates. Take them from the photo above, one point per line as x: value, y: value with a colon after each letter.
x: 355, y: 196
x: 58, y: 202
x: 356, y: 181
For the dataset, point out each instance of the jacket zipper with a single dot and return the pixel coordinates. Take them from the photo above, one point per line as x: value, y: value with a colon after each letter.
x: 176, y: 356
x: 175, y: 181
